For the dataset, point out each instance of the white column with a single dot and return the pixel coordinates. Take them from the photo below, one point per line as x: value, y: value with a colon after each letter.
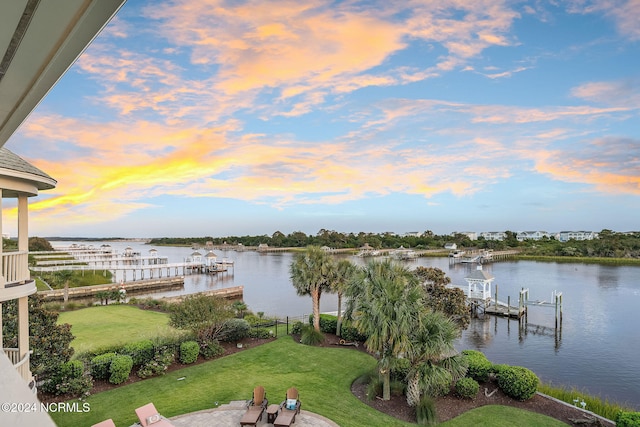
x: 1, y: 258
x: 23, y: 303
x: 23, y: 223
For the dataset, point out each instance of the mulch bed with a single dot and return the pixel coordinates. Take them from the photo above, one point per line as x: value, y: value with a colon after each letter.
x: 103, y: 385
x: 447, y: 407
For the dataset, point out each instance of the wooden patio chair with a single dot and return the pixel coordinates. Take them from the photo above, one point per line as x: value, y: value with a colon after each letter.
x: 255, y: 407
x: 289, y: 408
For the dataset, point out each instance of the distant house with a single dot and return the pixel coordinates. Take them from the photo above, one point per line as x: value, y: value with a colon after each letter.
x: 531, y: 235
x: 565, y: 236
x: 412, y: 234
x: 472, y: 235
x: 493, y: 235
x: 451, y: 246
x: 263, y: 247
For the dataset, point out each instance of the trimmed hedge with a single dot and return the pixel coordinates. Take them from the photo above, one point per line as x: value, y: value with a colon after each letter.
x: 100, y: 365
x: 328, y: 323
x: 141, y: 352
x: 467, y: 388
x: 120, y: 369
x: 189, y: 351
x: 479, y: 366
x: 518, y: 382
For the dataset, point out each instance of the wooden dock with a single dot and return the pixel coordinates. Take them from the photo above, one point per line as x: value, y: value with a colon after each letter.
x: 89, y: 292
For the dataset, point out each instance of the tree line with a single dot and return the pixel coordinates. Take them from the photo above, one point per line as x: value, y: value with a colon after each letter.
x: 609, y: 244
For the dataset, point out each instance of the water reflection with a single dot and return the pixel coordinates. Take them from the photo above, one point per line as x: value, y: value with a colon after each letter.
x: 591, y: 351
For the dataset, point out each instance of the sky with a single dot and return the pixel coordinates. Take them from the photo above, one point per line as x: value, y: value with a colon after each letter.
x: 219, y: 118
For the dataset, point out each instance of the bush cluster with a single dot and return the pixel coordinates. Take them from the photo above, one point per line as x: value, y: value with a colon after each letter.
x: 260, y: 333
x: 350, y: 333
x: 210, y: 349
x: 69, y: 378
x: 120, y: 369
x: 518, y: 382
x: 328, y: 323
x: 163, y: 358
x: 467, y: 388
x: 100, y: 365
x: 628, y: 419
x: 141, y: 352
x: 189, y: 351
x: 235, y: 330
x: 296, y: 328
x: 479, y: 366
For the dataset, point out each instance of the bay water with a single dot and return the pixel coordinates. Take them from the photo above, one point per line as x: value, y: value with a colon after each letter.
x: 595, y: 349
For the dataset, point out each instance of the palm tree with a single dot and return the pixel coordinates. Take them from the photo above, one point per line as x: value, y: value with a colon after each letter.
x: 311, y: 273
x: 385, y: 302
x: 345, y: 271
x: 433, y: 361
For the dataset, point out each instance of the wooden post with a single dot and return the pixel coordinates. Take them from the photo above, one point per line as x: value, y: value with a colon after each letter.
x: 496, y: 301
x: 509, y: 306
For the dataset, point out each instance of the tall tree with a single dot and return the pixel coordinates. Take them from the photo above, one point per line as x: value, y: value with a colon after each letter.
x: 311, y: 273
x: 450, y: 301
x: 49, y: 341
x: 433, y: 361
x: 385, y: 302
x: 345, y: 272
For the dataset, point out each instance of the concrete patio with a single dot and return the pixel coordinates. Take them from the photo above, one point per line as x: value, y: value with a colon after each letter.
x: 230, y: 414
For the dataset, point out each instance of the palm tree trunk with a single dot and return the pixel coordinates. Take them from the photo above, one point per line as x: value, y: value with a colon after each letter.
x: 315, y: 299
x: 386, y: 384
x: 339, y: 322
x: 413, y: 391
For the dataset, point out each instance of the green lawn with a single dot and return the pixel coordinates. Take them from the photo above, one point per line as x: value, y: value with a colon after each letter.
x: 502, y: 416
x: 101, y: 326
x: 322, y: 375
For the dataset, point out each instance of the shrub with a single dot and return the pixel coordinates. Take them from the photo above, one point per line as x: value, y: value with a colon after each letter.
x: 261, y: 333
x: 374, y: 388
x: 426, y: 412
x: 100, y: 365
x: 479, y: 366
x: 328, y: 323
x: 189, y: 351
x: 497, y: 368
x: 467, y: 388
x: 120, y: 369
x: 141, y: 352
x: 296, y: 328
x: 350, y: 333
x: 164, y: 357
x: 309, y: 336
x: 210, y: 349
x: 628, y: 419
x: 69, y: 378
x: 235, y: 330
x: 518, y: 382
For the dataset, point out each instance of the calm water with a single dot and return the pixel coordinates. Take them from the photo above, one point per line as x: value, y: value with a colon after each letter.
x: 597, y: 349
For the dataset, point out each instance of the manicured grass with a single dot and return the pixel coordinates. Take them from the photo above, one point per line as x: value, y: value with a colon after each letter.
x: 322, y: 375
x: 502, y: 416
x: 101, y: 326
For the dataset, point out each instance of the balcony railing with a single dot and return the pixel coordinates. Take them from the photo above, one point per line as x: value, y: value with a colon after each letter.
x: 15, y: 266
x: 21, y: 365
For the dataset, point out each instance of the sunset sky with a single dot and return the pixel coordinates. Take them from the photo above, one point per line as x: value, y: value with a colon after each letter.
x: 196, y: 118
